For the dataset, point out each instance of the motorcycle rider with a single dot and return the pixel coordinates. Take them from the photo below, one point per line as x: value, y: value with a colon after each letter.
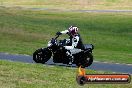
x: 74, y: 39
x: 75, y: 42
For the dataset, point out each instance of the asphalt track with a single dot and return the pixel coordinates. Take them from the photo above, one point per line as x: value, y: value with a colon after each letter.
x: 101, y: 66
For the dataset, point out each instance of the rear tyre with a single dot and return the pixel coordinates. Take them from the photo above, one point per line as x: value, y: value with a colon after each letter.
x: 88, y: 60
x: 85, y: 60
x: 42, y: 55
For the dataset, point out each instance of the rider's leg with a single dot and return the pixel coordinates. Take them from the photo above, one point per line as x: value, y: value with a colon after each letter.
x: 70, y: 53
x: 69, y: 56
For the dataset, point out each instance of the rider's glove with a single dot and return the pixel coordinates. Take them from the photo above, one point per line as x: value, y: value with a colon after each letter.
x: 58, y: 33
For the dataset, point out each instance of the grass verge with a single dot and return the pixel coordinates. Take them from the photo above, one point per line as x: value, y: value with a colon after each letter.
x: 21, y: 75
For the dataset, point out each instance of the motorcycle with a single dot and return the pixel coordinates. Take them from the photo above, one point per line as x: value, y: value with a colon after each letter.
x: 56, y: 49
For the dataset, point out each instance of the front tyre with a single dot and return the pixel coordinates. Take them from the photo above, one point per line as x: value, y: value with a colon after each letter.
x: 42, y: 55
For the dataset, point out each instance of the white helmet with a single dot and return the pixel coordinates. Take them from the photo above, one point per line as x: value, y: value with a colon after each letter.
x: 73, y: 30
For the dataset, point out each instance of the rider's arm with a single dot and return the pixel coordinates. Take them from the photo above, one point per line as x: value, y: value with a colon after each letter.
x: 64, y: 32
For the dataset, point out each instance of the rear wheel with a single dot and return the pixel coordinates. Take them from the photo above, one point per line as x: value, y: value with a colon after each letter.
x: 89, y: 60
x: 85, y: 60
x: 42, y: 55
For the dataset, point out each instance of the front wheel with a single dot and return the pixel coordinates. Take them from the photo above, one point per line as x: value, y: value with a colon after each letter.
x: 42, y: 55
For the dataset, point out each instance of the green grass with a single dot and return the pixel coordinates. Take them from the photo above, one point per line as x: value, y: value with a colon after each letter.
x: 20, y: 75
x: 70, y: 4
x: 24, y: 31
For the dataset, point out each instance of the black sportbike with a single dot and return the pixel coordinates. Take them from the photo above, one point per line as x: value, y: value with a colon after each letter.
x: 57, y: 51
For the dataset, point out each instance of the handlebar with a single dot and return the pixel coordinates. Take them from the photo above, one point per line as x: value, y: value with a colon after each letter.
x: 56, y: 37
